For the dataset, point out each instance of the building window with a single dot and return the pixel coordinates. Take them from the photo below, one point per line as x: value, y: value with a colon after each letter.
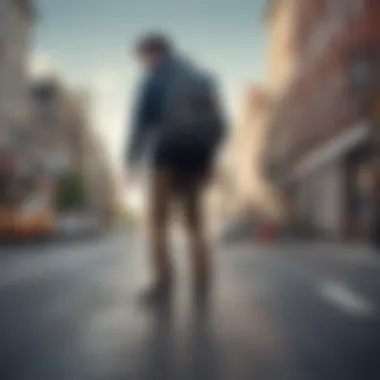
x: 330, y: 21
x: 361, y: 73
x: 318, y: 42
x: 356, y: 6
x: 343, y: 9
x: 336, y: 8
x: 44, y: 94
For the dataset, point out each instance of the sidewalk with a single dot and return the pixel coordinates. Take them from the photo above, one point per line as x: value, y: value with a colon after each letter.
x: 326, y: 250
x: 331, y: 247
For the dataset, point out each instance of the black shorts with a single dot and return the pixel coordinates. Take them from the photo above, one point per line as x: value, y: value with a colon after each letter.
x: 187, y: 160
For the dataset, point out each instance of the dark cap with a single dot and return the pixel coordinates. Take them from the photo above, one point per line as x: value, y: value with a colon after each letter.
x: 154, y: 43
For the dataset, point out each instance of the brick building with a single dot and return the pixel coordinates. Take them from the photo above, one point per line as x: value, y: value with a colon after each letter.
x: 327, y: 112
x: 282, y: 19
x: 248, y: 191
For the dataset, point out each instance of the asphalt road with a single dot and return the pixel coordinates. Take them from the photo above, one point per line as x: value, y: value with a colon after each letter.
x: 72, y: 311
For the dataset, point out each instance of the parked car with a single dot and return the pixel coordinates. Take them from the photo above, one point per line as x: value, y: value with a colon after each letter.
x: 32, y: 219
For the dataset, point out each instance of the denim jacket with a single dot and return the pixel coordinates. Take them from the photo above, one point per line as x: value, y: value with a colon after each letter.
x: 151, y: 111
x: 148, y: 113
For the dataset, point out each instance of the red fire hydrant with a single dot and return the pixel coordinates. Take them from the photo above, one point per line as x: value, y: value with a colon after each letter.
x: 267, y: 233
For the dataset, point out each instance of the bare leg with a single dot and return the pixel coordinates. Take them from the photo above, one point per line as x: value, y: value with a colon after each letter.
x: 193, y: 210
x: 160, y: 199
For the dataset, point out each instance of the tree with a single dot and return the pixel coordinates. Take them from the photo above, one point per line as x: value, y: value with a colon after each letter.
x: 71, y: 191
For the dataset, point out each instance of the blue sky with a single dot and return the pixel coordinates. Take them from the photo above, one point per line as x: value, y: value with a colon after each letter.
x: 90, y: 42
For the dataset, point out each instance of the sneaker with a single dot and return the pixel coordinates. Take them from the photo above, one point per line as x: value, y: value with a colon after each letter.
x: 158, y: 294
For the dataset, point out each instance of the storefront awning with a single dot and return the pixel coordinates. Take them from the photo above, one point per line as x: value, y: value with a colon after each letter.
x: 331, y: 150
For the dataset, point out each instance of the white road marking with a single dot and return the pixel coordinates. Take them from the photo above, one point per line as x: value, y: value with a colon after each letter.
x: 343, y: 298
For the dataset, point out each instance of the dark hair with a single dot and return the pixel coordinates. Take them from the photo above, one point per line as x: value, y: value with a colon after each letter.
x: 154, y: 43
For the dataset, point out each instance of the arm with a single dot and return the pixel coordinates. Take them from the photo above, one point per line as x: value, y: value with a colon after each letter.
x: 145, y: 116
x: 220, y: 114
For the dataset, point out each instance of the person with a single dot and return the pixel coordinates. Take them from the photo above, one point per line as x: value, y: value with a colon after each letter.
x: 177, y: 128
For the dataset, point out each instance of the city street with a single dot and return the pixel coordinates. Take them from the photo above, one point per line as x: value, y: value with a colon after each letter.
x: 72, y: 311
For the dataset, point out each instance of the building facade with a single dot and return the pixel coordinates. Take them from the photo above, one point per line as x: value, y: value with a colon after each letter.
x: 327, y: 110
x: 16, y: 22
x: 248, y: 190
x: 282, y: 18
x: 58, y: 120
x: 64, y: 141
x: 16, y: 19
x: 101, y: 179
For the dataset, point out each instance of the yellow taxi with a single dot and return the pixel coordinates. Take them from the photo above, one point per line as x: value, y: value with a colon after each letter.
x: 33, y: 219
